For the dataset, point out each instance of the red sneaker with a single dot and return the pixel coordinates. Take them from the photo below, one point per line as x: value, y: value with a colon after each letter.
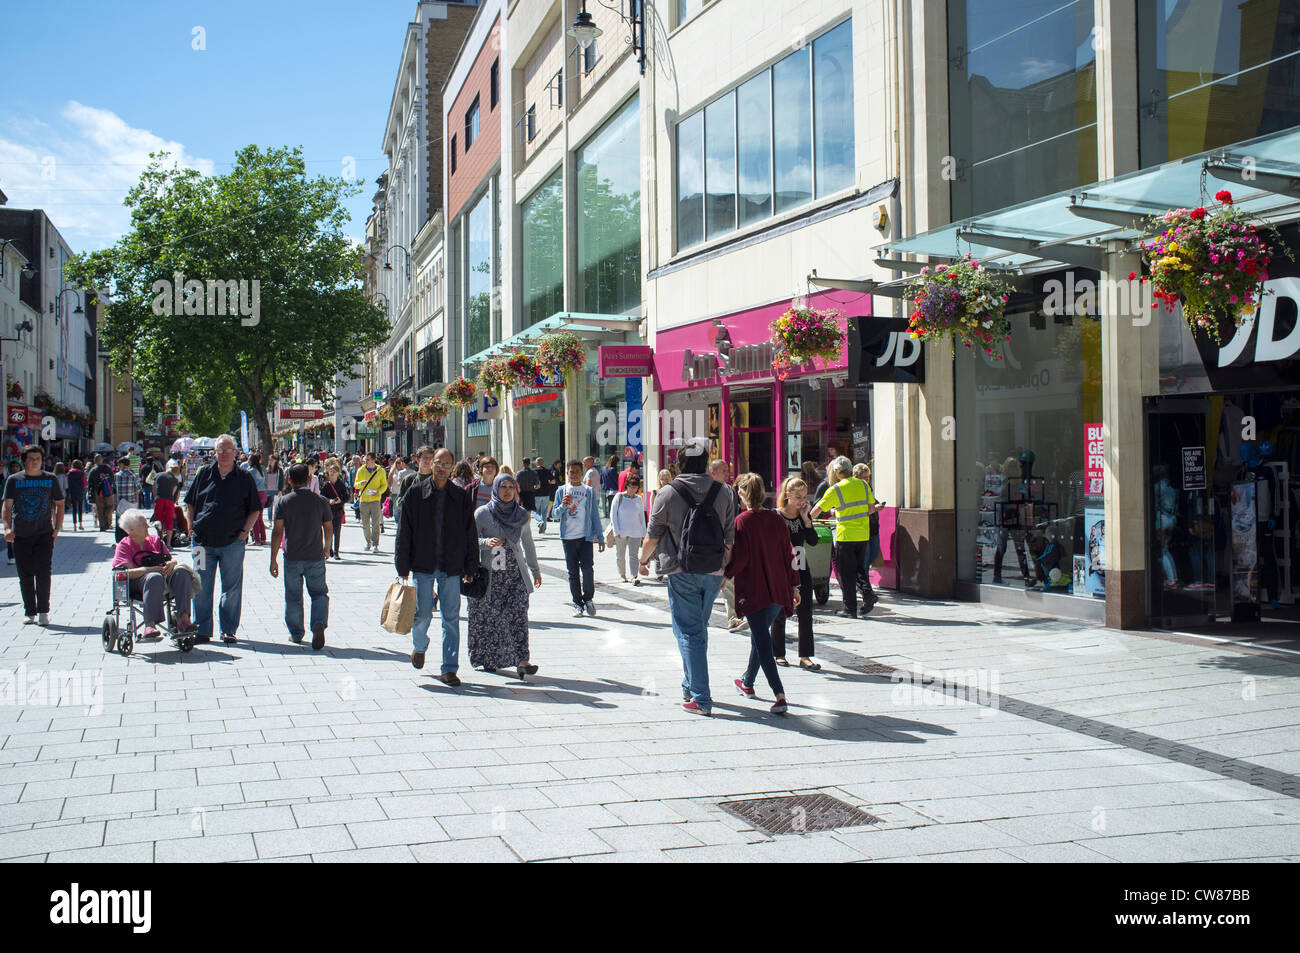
x: 745, y: 690
x: 695, y: 709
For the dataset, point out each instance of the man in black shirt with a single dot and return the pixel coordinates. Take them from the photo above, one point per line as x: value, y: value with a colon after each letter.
x: 304, y: 521
x: 33, y: 513
x: 528, y: 483
x: 437, y: 539
x: 545, y: 491
x: 221, y: 505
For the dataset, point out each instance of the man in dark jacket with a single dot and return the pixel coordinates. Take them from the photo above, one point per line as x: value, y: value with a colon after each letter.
x: 545, y: 490
x: 437, y: 540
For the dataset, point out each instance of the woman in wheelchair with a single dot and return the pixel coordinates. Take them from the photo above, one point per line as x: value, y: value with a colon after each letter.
x: 150, y: 571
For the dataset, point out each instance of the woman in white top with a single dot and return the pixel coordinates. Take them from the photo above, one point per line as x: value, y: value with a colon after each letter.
x: 627, y: 517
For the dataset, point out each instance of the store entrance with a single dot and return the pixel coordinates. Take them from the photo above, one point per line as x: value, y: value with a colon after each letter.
x: 753, y: 436
x: 1222, y: 504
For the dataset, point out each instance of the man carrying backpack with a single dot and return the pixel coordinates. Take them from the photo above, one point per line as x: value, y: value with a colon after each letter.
x: 692, y: 527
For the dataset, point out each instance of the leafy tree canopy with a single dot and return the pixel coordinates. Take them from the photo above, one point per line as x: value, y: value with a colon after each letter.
x: 270, y: 287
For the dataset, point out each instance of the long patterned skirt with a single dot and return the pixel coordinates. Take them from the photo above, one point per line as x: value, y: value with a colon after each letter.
x: 498, y: 623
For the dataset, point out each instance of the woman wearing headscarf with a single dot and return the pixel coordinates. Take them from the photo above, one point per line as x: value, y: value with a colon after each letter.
x: 498, y: 622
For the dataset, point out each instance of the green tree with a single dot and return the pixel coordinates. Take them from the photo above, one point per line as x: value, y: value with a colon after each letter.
x: 265, y: 222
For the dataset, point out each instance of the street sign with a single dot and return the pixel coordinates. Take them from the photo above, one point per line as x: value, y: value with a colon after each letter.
x: 301, y: 413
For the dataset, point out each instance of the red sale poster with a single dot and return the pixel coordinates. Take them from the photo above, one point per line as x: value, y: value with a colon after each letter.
x: 1094, y: 460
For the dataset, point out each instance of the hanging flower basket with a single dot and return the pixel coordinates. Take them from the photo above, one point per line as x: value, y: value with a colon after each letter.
x: 460, y: 392
x: 494, y: 376
x: 1212, y: 261
x: 804, y: 334
x: 14, y: 390
x: 435, y: 408
x: 964, y: 302
x: 562, y: 352
x: 523, y: 369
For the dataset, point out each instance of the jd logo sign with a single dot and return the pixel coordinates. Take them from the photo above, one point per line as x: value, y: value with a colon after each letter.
x: 881, y: 351
x: 1273, y: 342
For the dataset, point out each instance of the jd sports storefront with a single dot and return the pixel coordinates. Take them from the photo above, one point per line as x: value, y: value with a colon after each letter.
x: 1223, y: 449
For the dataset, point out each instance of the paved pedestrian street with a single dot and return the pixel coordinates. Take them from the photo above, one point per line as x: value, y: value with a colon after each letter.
x: 966, y: 732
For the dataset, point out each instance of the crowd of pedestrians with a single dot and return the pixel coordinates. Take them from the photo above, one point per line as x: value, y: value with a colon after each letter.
x: 463, y: 528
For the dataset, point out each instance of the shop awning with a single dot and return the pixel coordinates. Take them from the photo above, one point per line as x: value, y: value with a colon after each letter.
x: 1072, y: 226
x: 579, y: 322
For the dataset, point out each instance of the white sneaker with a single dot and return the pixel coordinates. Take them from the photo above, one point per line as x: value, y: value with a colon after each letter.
x: 578, y: 612
x: 31, y: 620
x: 43, y: 619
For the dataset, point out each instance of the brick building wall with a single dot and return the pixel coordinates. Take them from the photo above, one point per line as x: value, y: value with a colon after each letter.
x: 473, y: 165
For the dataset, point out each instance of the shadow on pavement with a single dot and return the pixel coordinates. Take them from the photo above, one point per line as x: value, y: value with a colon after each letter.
x: 518, y: 692
x: 805, y: 721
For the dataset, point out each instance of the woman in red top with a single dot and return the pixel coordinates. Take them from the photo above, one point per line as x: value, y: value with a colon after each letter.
x: 767, y: 582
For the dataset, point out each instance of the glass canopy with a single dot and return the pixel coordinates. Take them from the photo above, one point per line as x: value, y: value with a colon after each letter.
x: 581, y: 323
x: 1262, y: 174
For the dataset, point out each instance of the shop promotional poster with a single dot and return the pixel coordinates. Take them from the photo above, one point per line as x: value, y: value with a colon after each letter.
x: 1094, y: 513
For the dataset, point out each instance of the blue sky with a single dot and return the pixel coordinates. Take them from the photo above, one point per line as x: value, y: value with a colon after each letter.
x: 119, y: 79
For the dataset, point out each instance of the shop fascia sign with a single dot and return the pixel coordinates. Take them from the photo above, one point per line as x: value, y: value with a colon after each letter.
x: 727, y: 360
x: 1262, y: 326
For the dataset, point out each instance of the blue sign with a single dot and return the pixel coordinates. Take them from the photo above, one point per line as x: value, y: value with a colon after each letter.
x: 635, y: 423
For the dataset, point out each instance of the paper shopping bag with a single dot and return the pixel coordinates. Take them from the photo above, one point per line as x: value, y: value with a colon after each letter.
x: 398, y: 615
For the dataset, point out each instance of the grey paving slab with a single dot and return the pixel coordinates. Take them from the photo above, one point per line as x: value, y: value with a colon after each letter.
x: 307, y: 840
x: 387, y: 833
x: 206, y: 850
x: 476, y: 850
x: 562, y: 844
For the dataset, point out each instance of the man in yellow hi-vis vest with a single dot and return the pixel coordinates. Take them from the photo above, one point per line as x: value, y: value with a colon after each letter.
x: 853, y: 503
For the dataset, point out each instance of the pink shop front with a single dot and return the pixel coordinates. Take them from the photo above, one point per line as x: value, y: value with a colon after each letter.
x: 715, y: 377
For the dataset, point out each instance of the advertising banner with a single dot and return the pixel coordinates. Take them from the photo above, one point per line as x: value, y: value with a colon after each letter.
x: 1094, y: 534
x: 1094, y: 460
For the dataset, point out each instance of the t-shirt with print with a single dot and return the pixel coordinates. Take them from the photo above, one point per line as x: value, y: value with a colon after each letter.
x: 33, y: 502
x: 304, y: 513
x: 576, y: 525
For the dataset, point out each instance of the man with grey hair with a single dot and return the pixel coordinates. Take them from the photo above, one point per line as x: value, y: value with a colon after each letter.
x: 222, y: 504
x: 853, y: 503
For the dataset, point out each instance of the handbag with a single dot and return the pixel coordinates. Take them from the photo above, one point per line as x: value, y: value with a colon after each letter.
x: 398, y: 613
x: 609, y: 535
x: 477, y: 587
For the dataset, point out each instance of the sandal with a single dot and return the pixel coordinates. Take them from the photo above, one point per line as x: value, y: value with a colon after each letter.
x: 529, y: 668
x: 811, y: 666
x: 782, y: 661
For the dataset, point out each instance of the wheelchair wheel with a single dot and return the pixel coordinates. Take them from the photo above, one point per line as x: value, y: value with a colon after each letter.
x: 109, y: 633
x: 186, y: 643
x: 124, y: 644
x: 822, y: 593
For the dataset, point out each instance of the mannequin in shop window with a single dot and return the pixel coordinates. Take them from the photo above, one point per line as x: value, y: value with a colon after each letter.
x: 1269, y: 501
x: 1165, y: 507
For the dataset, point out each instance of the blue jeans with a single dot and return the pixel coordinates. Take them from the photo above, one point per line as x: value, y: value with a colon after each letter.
x: 582, y: 582
x: 311, y: 572
x: 690, y: 602
x: 541, y: 508
x: 448, y: 605
x: 760, y: 647
x: 146, y: 496
x: 269, y: 510
x: 231, y: 560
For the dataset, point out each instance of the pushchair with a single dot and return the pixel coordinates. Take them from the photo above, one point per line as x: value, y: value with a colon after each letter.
x: 123, y: 639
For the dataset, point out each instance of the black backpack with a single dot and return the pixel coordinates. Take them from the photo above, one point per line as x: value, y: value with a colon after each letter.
x: 702, y: 548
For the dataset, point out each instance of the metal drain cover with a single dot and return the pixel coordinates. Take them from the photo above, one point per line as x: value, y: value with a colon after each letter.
x: 798, y: 814
x: 871, y: 668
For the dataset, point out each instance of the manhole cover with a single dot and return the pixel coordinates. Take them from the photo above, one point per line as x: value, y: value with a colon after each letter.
x: 872, y: 668
x: 798, y: 814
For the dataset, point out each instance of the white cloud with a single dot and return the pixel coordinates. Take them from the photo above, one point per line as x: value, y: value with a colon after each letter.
x: 79, y: 168
x: 1035, y: 69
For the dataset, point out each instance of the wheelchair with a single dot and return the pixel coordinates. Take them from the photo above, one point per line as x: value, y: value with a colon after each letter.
x: 123, y: 638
